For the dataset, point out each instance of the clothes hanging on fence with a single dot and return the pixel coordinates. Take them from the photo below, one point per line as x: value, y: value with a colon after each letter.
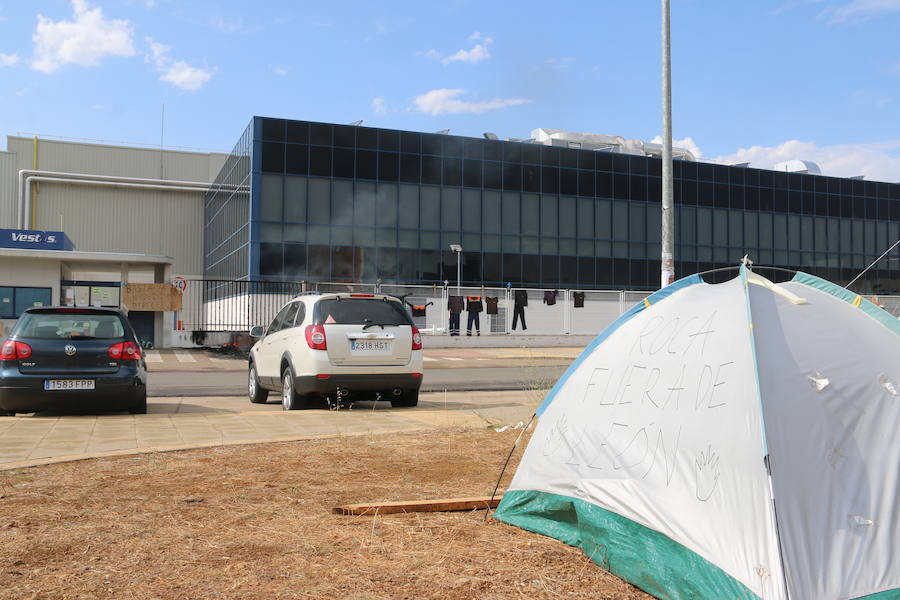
x: 473, y: 307
x: 520, y: 301
x: 419, y: 310
x: 550, y: 297
x: 578, y: 299
x: 455, y: 306
x: 491, y: 304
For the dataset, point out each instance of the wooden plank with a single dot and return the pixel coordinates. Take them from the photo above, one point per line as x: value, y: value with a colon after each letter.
x: 443, y: 505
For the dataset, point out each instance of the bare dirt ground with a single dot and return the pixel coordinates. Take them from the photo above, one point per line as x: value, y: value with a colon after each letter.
x: 256, y: 522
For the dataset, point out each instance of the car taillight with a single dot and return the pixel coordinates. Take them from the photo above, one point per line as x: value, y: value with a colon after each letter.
x: 315, y: 337
x: 124, y: 351
x: 14, y: 350
x: 416, y: 339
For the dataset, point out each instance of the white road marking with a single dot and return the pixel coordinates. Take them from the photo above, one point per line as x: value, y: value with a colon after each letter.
x: 450, y: 358
x: 152, y: 357
x: 185, y: 357
x: 428, y: 358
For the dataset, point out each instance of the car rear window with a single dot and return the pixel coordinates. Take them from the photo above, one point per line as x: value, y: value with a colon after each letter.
x: 70, y: 325
x: 352, y: 311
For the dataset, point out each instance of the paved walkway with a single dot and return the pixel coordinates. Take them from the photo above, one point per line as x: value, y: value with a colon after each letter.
x: 449, y: 357
x: 181, y: 423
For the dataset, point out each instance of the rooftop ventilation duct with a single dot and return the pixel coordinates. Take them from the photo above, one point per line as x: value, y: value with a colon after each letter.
x: 798, y: 166
x: 599, y: 141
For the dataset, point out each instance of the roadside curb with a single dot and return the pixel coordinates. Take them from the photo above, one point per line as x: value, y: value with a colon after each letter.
x: 39, y: 462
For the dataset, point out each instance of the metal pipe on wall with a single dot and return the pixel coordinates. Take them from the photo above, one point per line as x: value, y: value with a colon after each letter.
x: 168, y: 188
x: 26, y: 175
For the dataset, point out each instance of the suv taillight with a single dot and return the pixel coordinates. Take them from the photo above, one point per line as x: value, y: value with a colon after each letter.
x: 315, y: 337
x: 124, y: 351
x: 416, y: 338
x: 14, y: 350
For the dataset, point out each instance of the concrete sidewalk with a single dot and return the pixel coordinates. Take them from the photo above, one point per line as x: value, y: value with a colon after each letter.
x: 448, y: 356
x: 181, y: 423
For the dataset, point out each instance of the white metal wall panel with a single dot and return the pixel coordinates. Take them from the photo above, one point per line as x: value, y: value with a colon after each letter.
x: 7, y: 190
x: 107, y: 219
x: 122, y: 161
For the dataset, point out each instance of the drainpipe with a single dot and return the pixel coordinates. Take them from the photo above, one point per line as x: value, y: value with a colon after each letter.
x: 34, y: 165
x: 25, y: 175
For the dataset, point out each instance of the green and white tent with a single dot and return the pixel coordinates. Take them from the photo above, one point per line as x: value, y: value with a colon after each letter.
x: 737, y: 440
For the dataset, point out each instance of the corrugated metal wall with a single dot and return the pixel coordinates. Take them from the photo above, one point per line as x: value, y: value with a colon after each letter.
x: 108, y: 219
x: 7, y: 190
x: 103, y: 219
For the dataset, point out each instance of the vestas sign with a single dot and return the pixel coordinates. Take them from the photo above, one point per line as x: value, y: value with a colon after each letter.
x: 35, y: 240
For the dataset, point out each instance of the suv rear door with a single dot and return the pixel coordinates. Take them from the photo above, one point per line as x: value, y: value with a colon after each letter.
x: 362, y: 330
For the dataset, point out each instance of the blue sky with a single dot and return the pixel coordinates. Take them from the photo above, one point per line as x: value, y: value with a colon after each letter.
x: 752, y: 81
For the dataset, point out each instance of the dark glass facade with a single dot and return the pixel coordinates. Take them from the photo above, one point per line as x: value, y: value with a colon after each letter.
x: 345, y: 203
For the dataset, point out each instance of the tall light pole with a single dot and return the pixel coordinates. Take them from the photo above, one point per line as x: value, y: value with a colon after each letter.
x: 667, y: 274
x: 458, y: 249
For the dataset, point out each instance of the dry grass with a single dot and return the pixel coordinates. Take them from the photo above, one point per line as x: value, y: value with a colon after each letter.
x: 255, y: 522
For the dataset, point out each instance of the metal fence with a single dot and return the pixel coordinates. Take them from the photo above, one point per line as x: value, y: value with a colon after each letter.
x: 235, y: 306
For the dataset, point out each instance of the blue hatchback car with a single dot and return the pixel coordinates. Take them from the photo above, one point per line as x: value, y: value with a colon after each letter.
x: 72, y: 359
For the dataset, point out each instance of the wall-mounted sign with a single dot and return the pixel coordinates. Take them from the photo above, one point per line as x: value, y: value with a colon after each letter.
x: 151, y: 296
x: 180, y: 284
x: 30, y: 239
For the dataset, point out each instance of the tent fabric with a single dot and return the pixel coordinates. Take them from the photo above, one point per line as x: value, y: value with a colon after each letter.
x: 693, y: 450
x: 834, y: 453
x: 648, y: 559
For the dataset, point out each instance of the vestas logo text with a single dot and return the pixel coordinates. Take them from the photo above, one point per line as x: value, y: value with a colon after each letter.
x: 32, y: 237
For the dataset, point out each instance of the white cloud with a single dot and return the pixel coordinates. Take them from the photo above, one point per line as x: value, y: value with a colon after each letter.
x: 187, y: 77
x: 83, y: 41
x: 475, y: 54
x: 8, y: 60
x: 687, y: 143
x: 177, y: 72
x: 21, y: 92
x: 878, y: 161
x: 444, y: 101
x: 861, y: 10
x: 478, y: 53
x: 281, y: 70
x: 379, y: 107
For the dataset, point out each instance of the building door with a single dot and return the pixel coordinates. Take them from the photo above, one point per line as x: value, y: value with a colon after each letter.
x: 143, y: 323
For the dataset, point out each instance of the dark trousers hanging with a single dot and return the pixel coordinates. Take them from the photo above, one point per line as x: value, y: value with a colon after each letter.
x: 454, y: 323
x: 473, y: 318
x: 519, y: 313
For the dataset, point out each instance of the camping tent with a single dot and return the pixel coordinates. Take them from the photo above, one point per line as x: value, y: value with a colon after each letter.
x: 737, y: 440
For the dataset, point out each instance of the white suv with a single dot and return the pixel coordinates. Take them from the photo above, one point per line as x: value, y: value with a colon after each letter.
x: 341, y: 347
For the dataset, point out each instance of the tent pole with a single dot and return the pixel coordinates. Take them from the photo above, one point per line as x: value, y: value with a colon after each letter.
x: 506, y: 464
x: 872, y: 265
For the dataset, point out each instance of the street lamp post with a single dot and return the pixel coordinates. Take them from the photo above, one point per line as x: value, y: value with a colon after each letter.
x: 458, y: 249
x: 667, y: 274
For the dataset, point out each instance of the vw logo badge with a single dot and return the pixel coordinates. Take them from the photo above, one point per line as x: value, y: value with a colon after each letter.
x: 69, y: 349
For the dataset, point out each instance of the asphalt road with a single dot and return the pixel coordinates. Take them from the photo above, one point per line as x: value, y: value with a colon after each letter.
x: 233, y: 383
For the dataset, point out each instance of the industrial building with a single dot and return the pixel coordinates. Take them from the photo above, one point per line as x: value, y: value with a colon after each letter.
x: 131, y: 215
x: 315, y: 201
x: 299, y: 201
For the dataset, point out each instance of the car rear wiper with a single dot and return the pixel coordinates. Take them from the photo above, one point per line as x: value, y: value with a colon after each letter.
x: 82, y: 337
x: 371, y: 324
